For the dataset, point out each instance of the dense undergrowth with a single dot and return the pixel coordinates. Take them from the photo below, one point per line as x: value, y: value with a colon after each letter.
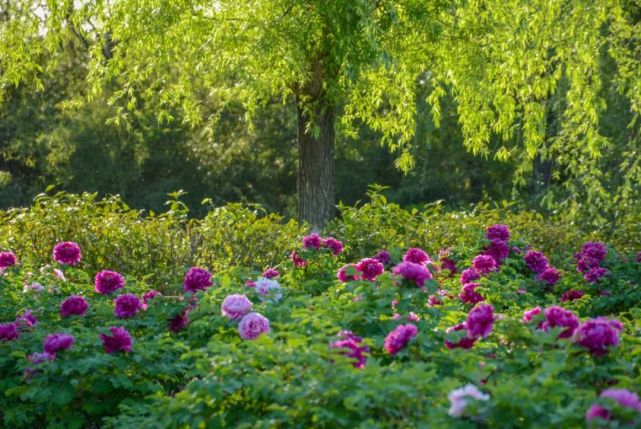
x: 256, y: 348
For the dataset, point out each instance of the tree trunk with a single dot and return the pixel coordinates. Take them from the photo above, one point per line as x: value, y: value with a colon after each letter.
x: 316, y: 162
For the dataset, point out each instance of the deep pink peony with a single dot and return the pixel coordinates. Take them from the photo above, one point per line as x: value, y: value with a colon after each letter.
x: 108, y: 281
x: 370, y: 268
x: 297, y: 260
x: 480, y: 321
x: 350, y: 344
x: 469, y: 275
x: 119, y: 340
x: 26, y: 320
x: 536, y: 261
x: 433, y: 301
x: 469, y: 295
x: 150, y: 295
x: 595, y: 274
x: 127, y: 305
x: 623, y: 397
x: 9, y: 331
x: 571, y: 295
x: 75, y: 305
x: 336, y: 246
x: 343, y: 275
x: 585, y: 264
x: 252, y: 326
x: 385, y: 258
x: 598, y: 334
x: 550, y: 276
x: 399, y: 337
x: 234, y: 307
x: 312, y: 241
x: 7, y: 259
x: 59, y: 341
x: 464, y: 342
x: 270, y: 273
x: 484, y: 264
x: 529, y: 315
x: 556, y: 316
x: 497, y: 232
x: 498, y: 249
x: 595, y: 250
x: 196, y: 279
x: 67, y: 253
x: 416, y: 273
x: 416, y: 255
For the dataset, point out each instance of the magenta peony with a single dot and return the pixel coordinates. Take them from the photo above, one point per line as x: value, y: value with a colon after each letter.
x: 336, y: 246
x: 196, y: 279
x: 67, y: 253
x: 497, y: 232
x: 297, y: 260
x: 484, y: 264
x: 26, y: 320
x: 448, y: 264
x: 623, y: 397
x: 119, y: 340
x: 270, y: 273
x: 415, y: 273
x: 469, y: 295
x: 595, y: 250
x: 556, y: 316
x: 469, y: 275
x: 433, y: 301
x: 550, y: 276
x: 397, y: 339
x: 464, y: 342
x: 416, y: 255
x: 529, y: 315
x: 343, y: 275
x: 234, y: 307
x: 53, y: 343
x: 385, y: 258
x: 75, y: 305
x: 108, y: 281
x: 498, y: 250
x: 350, y: 344
x: 536, y: 261
x: 252, y: 325
x: 480, y: 321
x: 370, y: 268
x: 585, y: 264
x: 7, y: 259
x: 598, y: 334
x: 127, y: 305
x: 595, y: 274
x: 9, y: 331
x: 571, y: 295
x: 150, y: 295
x: 312, y: 241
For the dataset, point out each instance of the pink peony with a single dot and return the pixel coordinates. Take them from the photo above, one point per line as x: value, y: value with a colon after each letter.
x: 469, y: 275
x: 67, y: 253
x: 312, y: 241
x: 59, y: 274
x: 397, y: 339
x: 529, y: 315
x: 464, y: 342
x: 416, y: 273
x: 270, y: 273
x: 234, y: 307
x: 598, y: 334
x: 119, y: 340
x: 9, y: 331
x: 336, y: 246
x: 75, y: 305
x: 149, y: 295
x: 297, y: 260
x: 536, y: 261
x: 127, y: 305
x: 469, y: 295
x: 349, y: 343
x: 370, y: 268
x: 459, y: 399
x: 59, y: 341
x: 571, y: 295
x: 343, y: 275
x: 497, y: 232
x: 556, y: 316
x: 7, y: 259
x: 417, y: 256
x: 550, y: 276
x: 26, y: 320
x: 108, y: 281
x: 196, y: 279
x: 252, y: 325
x: 480, y: 321
x: 268, y: 290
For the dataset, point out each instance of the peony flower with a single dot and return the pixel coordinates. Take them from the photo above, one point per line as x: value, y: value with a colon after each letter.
x: 595, y: 274
x: 550, y: 276
x: 595, y: 250
x: 59, y: 274
x: 528, y: 315
x: 336, y: 246
x: 469, y: 295
x: 433, y: 301
x: 53, y: 343
x: 32, y: 287
x: 469, y: 275
x: 497, y: 232
x: 127, y: 305
x: 9, y: 331
x: 413, y: 317
x: 312, y: 241
x: 498, y: 250
x: 67, y: 253
x: 108, y: 281
x: 385, y: 258
x: 38, y: 358
x: 571, y: 295
x: 344, y: 277
x: 536, y: 261
x: 623, y: 397
x: 250, y: 283
x: 556, y: 316
x: 268, y: 290
x: 180, y: 321
x: 397, y: 339
x: 252, y: 325
x: 7, y: 259
x: 598, y: 334
x: 297, y: 260
x: 585, y: 264
x: 150, y: 295
x: 464, y: 342
x: 196, y: 279
x: 484, y: 264
x: 416, y: 273
x: 459, y: 398
x: 75, y: 305
x: 448, y: 264
x: 480, y: 321
x: 119, y: 340
x: 370, y: 268
x: 234, y: 307
x: 270, y: 273
x: 417, y: 256
x: 26, y: 320
x: 349, y: 343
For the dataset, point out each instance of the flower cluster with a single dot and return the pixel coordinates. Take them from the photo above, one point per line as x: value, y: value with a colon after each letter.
x: 538, y: 263
x: 597, y: 335
x: 622, y: 397
x: 397, y: 339
x: 479, y: 324
x: 589, y: 260
x: 316, y: 242
x: 350, y: 346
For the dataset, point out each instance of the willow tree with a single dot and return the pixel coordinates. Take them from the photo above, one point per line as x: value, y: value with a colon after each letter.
x: 347, y: 63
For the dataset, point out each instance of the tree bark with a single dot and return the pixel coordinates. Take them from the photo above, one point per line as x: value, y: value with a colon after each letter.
x: 316, y: 161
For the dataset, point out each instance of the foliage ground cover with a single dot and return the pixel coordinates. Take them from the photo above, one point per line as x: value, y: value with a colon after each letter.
x: 391, y: 318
